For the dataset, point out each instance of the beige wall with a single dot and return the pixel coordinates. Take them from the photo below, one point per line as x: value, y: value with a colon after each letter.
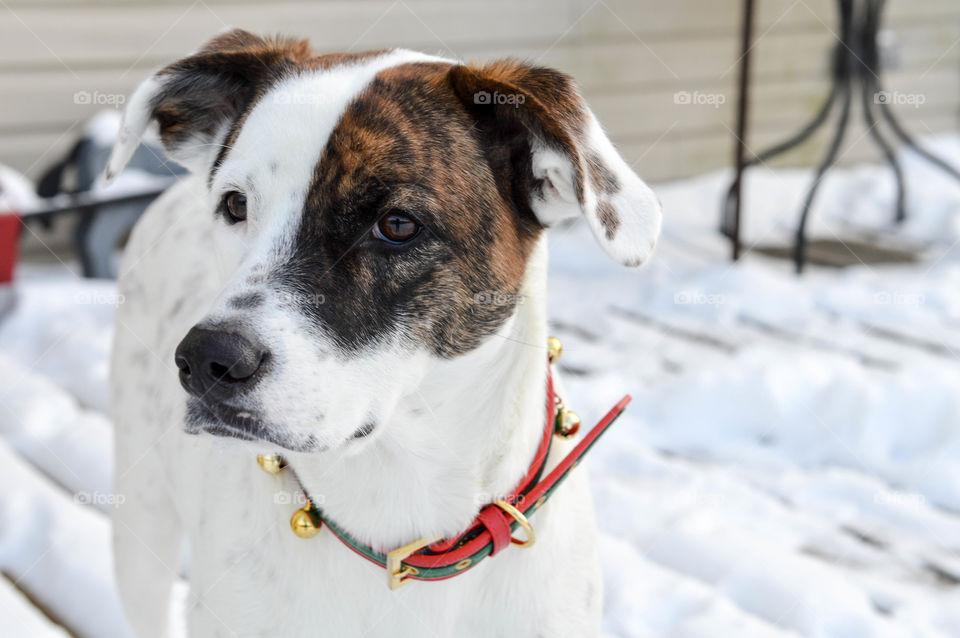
x: 631, y: 57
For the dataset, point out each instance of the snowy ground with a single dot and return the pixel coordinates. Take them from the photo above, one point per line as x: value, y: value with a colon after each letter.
x: 790, y: 465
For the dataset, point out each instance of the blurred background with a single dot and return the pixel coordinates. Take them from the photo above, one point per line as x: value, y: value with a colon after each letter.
x: 63, y: 60
x: 791, y: 466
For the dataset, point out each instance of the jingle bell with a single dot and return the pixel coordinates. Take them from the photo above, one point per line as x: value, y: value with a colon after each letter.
x: 302, y: 523
x: 271, y: 463
x: 566, y: 423
x: 554, y: 349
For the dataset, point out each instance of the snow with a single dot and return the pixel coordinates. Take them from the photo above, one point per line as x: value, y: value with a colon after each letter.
x: 57, y: 549
x: 790, y: 464
x: 20, y: 618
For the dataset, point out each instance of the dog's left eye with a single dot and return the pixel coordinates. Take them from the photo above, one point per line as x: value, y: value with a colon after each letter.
x: 396, y: 227
x: 234, y: 207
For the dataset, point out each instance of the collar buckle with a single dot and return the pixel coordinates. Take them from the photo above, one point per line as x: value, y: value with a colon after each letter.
x: 398, y: 574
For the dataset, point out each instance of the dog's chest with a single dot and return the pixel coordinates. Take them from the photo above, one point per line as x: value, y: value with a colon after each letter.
x: 253, y: 575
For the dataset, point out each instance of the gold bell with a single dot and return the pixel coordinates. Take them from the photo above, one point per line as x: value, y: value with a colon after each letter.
x: 302, y: 522
x: 566, y: 423
x: 271, y: 463
x: 554, y: 349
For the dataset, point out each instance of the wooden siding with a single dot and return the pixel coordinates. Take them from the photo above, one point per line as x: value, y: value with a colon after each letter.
x: 632, y: 59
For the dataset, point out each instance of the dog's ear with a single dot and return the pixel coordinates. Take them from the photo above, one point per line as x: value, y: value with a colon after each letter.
x: 548, y: 150
x: 194, y: 101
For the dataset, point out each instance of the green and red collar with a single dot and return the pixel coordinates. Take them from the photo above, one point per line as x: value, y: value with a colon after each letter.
x: 492, y: 530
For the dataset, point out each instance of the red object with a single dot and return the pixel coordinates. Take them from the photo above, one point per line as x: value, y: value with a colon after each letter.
x: 493, y: 525
x: 9, y: 239
x: 499, y: 533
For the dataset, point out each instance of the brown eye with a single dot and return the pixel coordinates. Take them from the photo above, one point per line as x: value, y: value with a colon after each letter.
x: 397, y: 228
x: 235, y: 207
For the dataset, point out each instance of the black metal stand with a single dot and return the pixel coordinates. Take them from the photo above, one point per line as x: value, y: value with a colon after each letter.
x: 104, y: 221
x: 743, y: 102
x: 856, y: 61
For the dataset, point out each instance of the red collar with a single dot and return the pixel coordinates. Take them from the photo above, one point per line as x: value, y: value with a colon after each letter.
x: 492, y: 530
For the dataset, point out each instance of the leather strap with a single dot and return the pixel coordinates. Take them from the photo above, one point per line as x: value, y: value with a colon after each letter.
x: 493, y: 528
x: 494, y: 521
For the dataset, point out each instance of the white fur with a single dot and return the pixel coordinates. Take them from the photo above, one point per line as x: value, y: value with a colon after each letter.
x: 134, y: 124
x: 451, y: 435
x: 637, y: 207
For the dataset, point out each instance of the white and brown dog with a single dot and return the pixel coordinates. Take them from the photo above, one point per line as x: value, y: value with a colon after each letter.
x: 322, y: 283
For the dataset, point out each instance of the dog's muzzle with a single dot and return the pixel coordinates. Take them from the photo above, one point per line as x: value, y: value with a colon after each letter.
x: 219, y: 363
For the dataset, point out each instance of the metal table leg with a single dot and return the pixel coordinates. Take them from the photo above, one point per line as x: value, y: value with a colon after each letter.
x: 856, y: 60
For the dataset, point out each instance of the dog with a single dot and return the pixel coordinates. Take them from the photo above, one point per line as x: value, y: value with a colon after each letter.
x: 351, y: 284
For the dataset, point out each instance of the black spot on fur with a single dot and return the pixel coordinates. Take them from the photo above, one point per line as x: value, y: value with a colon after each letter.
x: 601, y: 177
x: 247, y: 301
x: 363, y: 431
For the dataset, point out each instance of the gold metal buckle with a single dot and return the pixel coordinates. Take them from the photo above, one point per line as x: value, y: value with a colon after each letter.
x: 397, y: 572
x: 521, y: 519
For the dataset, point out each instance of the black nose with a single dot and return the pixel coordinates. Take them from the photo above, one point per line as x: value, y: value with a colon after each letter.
x: 218, y: 363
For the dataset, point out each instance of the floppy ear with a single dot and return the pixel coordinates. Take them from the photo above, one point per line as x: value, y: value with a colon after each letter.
x: 195, y: 101
x: 545, y: 144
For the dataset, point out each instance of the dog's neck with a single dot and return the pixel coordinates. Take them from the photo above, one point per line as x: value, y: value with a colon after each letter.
x: 463, y: 438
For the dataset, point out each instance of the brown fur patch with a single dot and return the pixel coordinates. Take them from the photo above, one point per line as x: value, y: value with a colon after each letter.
x: 551, y: 107
x: 225, y: 79
x: 407, y: 143
x: 414, y: 141
x: 203, y: 91
x: 314, y: 62
x: 602, y: 178
x: 608, y: 216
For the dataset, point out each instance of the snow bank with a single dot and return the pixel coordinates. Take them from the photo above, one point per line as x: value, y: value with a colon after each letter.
x: 44, y: 424
x: 21, y: 618
x: 61, y: 328
x: 57, y: 550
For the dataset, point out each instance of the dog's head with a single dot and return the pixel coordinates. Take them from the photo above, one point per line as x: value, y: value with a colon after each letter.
x: 363, y: 202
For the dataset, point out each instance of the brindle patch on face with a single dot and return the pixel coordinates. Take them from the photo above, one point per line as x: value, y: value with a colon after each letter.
x: 407, y: 144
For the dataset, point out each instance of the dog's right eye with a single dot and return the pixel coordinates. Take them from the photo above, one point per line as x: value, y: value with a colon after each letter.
x: 396, y: 227
x: 234, y: 207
